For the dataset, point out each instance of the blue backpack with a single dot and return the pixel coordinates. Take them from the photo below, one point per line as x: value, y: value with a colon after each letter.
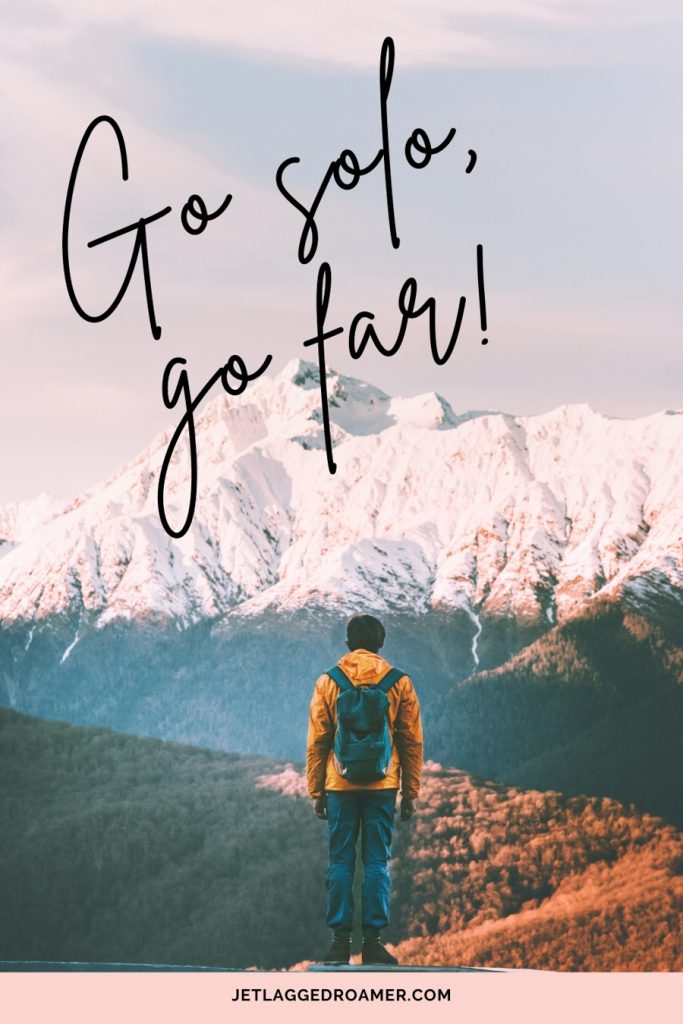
x: 362, y: 744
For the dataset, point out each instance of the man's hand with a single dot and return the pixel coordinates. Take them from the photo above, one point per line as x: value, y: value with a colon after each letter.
x: 320, y: 806
x: 407, y: 808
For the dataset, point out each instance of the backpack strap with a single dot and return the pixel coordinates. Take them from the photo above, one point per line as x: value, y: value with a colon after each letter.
x: 340, y: 678
x: 388, y: 680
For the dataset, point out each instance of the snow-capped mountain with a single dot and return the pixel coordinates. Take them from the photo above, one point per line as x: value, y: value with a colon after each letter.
x: 493, y: 514
x: 19, y: 519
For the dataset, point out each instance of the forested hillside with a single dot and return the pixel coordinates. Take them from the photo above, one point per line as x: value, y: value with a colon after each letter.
x: 593, y: 706
x: 124, y: 849
x: 497, y: 877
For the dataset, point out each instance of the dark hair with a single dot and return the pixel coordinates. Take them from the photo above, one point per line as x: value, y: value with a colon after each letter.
x: 364, y: 631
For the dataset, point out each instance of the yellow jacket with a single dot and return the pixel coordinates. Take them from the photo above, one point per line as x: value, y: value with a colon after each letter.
x: 364, y: 668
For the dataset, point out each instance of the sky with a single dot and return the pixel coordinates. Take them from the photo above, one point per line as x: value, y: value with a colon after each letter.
x: 573, y: 110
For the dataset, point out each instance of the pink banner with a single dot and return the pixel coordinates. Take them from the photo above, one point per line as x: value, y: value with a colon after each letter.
x: 532, y: 998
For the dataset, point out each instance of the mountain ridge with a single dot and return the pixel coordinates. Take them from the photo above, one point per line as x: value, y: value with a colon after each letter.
x: 497, y: 515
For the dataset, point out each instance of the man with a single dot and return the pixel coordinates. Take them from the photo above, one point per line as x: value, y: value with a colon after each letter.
x: 369, y: 806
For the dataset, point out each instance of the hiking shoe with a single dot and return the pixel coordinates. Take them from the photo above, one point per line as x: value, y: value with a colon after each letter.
x: 375, y: 953
x: 339, y: 952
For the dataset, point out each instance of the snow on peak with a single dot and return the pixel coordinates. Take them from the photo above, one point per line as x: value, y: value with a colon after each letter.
x: 489, y: 513
x: 301, y: 373
x: 18, y: 519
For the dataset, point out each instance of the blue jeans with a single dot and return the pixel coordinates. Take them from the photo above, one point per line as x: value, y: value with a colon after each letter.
x: 371, y: 811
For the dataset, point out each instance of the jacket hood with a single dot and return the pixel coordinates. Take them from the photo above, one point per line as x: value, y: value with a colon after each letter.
x: 363, y: 666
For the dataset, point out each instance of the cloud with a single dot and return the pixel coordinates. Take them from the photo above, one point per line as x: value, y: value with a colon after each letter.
x: 58, y: 371
x: 427, y: 32
x: 238, y: 288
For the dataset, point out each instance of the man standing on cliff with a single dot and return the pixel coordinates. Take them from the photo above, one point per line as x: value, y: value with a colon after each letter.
x: 364, y: 743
